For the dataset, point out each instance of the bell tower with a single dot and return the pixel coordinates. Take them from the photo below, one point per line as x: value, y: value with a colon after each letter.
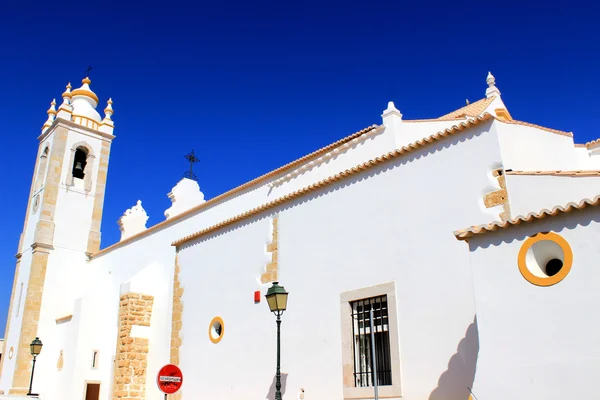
x: 61, y: 229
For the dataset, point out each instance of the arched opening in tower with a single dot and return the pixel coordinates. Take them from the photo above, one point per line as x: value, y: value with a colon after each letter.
x: 80, y: 162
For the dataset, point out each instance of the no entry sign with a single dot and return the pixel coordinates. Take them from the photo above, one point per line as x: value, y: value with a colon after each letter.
x: 169, y: 379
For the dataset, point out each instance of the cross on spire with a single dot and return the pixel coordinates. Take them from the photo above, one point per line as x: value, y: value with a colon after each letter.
x: 192, y: 159
x: 89, y: 68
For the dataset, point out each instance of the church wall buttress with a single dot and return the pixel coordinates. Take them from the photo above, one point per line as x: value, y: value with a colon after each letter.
x: 93, y: 245
x: 131, y: 359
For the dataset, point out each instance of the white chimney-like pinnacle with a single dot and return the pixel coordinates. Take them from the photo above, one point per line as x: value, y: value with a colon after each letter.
x: 492, y: 90
x: 133, y: 221
x: 391, y: 115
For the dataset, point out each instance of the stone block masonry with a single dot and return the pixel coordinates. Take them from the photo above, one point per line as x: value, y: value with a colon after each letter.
x: 270, y: 274
x: 176, y: 326
x: 131, y: 359
x: 499, y: 197
x: 29, y: 324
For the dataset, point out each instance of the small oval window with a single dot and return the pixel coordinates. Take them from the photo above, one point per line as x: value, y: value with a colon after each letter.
x: 216, y: 329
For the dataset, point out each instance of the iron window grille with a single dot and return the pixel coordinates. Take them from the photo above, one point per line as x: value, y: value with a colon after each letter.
x: 361, y: 332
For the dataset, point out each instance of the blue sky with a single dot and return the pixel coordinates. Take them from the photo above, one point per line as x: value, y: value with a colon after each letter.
x: 253, y: 85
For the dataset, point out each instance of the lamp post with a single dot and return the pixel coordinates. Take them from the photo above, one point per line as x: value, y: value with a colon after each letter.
x: 36, y: 349
x: 277, y: 299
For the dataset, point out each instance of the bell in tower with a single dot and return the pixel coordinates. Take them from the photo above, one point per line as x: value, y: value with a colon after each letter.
x: 79, y: 163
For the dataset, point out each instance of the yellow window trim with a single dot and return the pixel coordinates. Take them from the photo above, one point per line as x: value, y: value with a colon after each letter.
x: 210, y: 336
x: 551, y: 280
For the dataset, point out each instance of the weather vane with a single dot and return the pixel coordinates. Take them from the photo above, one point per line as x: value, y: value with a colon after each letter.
x: 192, y: 159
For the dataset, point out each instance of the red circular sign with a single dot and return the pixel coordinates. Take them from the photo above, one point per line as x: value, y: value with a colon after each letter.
x: 169, y: 379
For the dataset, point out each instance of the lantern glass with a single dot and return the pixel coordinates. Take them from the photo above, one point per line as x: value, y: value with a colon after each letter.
x: 272, y: 300
x: 36, y: 347
x: 277, y: 298
x: 281, y: 301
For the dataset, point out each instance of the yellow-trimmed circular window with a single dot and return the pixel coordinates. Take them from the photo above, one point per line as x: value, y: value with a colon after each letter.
x: 545, y: 259
x: 216, y: 329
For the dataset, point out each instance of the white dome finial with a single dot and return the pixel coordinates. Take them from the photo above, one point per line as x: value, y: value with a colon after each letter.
x: 492, y: 90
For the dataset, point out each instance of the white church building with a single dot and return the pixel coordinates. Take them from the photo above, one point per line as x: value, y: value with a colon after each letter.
x: 473, y: 237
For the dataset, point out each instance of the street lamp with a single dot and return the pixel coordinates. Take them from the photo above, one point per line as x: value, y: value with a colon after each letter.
x: 277, y: 299
x: 36, y: 349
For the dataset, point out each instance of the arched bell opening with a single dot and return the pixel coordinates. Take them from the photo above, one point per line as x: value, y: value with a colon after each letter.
x: 80, y: 162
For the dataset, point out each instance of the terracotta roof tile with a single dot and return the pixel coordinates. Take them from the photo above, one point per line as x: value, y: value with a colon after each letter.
x: 557, y: 173
x: 433, y: 119
x: 471, y: 110
x: 515, y: 122
x: 464, y: 234
x: 592, y: 143
x: 337, y: 177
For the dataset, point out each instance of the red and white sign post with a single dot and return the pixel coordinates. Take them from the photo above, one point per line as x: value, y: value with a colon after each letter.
x: 169, y: 379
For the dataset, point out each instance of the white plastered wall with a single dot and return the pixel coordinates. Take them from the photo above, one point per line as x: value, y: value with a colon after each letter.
x: 392, y: 223
x: 533, y: 193
x: 538, y: 342
x: 110, y: 270
x: 526, y: 148
x: 587, y: 159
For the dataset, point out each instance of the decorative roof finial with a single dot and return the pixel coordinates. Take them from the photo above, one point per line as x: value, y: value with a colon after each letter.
x: 391, y: 110
x: 109, y: 110
x: 51, y: 115
x: 52, y: 109
x: 67, y: 95
x: 391, y: 114
x: 492, y: 90
x: 467, y: 101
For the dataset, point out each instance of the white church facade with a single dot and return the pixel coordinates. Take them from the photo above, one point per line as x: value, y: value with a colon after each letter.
x: 472, y: 236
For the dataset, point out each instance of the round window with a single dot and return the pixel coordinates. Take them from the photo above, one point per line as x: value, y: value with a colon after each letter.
x: 216, y: 329
x: 545, y: 259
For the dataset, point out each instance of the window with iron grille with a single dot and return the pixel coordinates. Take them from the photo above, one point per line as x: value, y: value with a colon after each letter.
x: 361, y: 332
